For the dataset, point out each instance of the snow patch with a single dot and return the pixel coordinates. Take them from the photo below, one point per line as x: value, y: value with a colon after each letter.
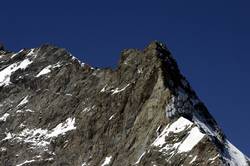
x: 22, y: 125
x: 112, y: 117
x: 49, y: 159
x: 32, y: 52
x: 6, y: 72
x: 236, y: 157
x: 3, y: 149
x: 103, y: 89
x: 26, y: 110
x: 62, y: 128
x: 44, y: 71
x: 194, y: 137
x: 176, y: 127
x: 87, y: 109
x: 107, y: 161
x: 48, y: 69
x: 4, y: 117
x: 199, y: 122
x: 117, y: 90
x: 42, y: 137
x: 193, y: 160
x: 35, y: 137
x: 212, y: 159
x: 139, y: 71
x: 183, y: 103
x: 139, y: 159
x: 24, y: 101
x: 76, y: 59
x: 16, y: 53
x: 26, y: 162
x: 8, y: 136
x: 181, y: 124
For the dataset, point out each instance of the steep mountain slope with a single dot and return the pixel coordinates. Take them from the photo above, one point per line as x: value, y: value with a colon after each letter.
x: 55, y: 110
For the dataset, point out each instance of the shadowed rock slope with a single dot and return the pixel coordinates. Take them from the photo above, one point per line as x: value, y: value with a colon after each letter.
x: 55, y: 110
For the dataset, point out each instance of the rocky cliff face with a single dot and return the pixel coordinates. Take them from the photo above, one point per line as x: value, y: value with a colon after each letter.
x: 55, y: 110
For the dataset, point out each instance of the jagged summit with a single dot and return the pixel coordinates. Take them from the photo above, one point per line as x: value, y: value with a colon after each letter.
x: 56, y: 110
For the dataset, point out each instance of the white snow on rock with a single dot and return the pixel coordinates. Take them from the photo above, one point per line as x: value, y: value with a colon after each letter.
x: 42, y: 137
x: 183, y: 103
x: 199, y: 122
x: 107, y: 161
x: 26, y: 162
x: 2, y: 149
x: 44, y: 71
x: 58, y: 64
x: 35, y: 137
x: 32, y: 52
x: 13, y: 55
x: 103, y: 89
x: 48, y: 69
x: 62, y: 128
x: 236, y: 157
x: 4, y: 117
x: 87, y: 109
x: 111, y: 117
x: 16, y: 53
x: 181, y: 124
x: 24, y: 101
x: 76, y: 59
x: 117, y: 90
x: 8, y: 136
x: 193, y: 159
x: 139, y: 71
x: 176, y: 127
x: 139, y: 159
x: 6, y: 72
x: 84, y: 164
x: 194, y: 137
x: 212, y: 159
x: 26, y: 110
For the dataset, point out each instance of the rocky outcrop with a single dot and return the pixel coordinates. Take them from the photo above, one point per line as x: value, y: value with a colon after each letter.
x: 55, y: 110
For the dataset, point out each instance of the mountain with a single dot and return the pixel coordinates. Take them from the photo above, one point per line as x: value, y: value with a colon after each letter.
x: 55, y: 110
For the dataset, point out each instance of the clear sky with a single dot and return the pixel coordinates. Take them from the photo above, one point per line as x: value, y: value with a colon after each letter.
x: 209, y: 39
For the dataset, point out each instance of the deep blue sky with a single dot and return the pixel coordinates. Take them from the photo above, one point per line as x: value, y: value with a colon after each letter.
x: 209, y: 39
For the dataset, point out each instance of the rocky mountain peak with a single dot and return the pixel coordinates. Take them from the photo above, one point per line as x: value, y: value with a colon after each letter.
x: 153, y: 51
x: 56, y: 110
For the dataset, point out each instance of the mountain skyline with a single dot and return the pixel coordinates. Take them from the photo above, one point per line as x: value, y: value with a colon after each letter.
x: 208, y: 39
x: 57, y: 110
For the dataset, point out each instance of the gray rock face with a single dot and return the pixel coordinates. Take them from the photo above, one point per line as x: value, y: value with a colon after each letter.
x: 55, y: 110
